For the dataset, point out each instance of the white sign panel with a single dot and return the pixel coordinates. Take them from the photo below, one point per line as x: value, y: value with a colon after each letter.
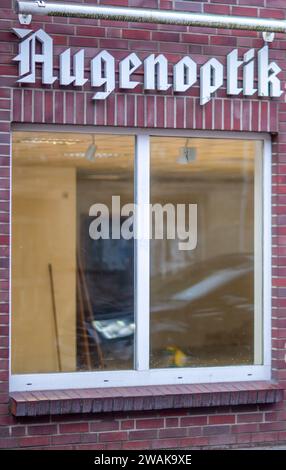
x: 36, y: 47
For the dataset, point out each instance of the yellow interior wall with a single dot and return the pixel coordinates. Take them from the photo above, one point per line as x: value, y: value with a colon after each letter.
x: 43, y: 231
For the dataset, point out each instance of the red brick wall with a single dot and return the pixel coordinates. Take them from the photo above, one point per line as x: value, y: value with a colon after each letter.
x: 210, y: 427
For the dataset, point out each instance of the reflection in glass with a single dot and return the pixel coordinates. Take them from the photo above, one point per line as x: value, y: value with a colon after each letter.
x: 203, y: 311
x: 72, y: 295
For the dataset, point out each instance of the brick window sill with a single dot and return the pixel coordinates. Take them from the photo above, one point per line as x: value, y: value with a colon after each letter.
x: 98, y: 400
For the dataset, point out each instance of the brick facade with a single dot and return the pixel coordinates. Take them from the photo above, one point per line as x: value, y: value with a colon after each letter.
x: 203, y: 427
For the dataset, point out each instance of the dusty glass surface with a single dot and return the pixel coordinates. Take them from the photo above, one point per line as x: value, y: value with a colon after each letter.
x: 72, y: 295
x: 203, y: 300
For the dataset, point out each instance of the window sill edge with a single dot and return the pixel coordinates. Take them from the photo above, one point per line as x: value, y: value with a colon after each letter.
x: 118, y: 399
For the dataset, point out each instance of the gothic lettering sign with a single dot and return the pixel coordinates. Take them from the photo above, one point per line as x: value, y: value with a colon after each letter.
x: 36, y: 47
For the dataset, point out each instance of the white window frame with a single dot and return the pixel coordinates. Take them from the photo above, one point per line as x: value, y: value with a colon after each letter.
x: 142, y: 375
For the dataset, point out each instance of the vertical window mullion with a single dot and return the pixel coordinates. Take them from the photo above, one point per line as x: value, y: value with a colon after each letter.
x: 267, y: 252
x: 142, y: 251
x: 258, y: 253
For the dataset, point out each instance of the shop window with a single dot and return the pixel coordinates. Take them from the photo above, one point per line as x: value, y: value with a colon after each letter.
x: 72, y: 295
x: 203, y: 299
x: 86, y: 297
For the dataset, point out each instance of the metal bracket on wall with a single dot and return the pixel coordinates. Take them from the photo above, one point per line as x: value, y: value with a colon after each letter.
x: 268, y: 36
x: 25, y: 19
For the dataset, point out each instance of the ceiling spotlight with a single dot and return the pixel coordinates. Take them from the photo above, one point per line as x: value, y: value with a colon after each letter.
x: 187, y: 154
x: 90, y: 152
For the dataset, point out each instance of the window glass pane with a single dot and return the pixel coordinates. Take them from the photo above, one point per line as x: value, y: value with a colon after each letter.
x: 205, y: 305
x: 72, y: 294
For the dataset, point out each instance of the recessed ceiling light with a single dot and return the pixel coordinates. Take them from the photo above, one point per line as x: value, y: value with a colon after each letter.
x: 53, y: 141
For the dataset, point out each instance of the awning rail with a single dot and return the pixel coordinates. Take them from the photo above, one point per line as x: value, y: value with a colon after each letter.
x: 144, y: 15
